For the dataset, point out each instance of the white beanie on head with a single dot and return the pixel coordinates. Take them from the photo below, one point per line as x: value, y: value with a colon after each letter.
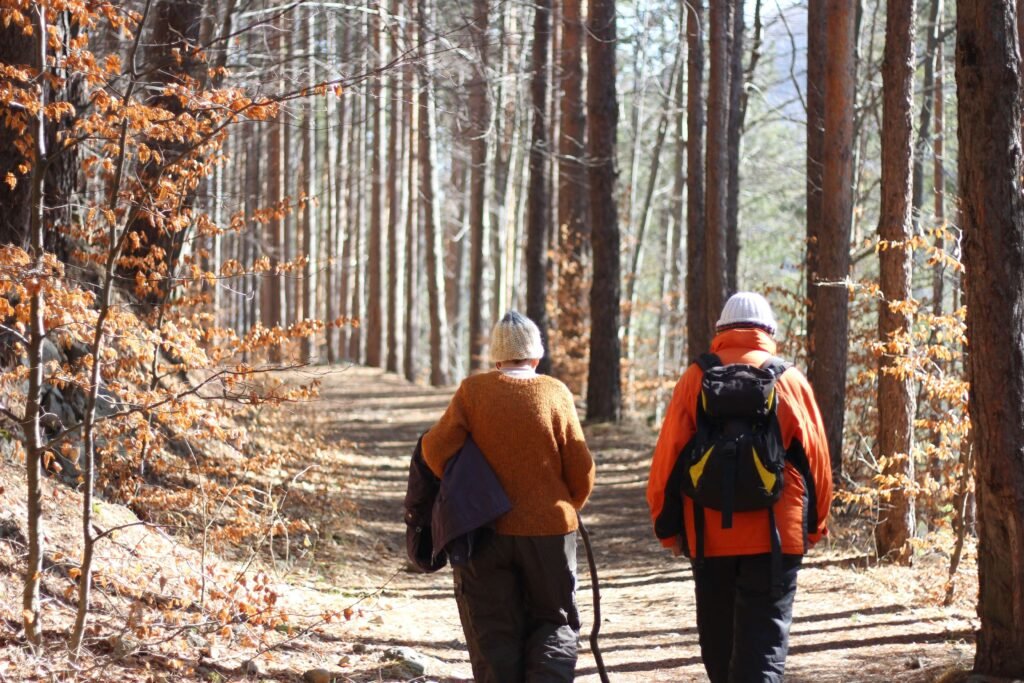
x: 515, y: 337
x: 747, y: 309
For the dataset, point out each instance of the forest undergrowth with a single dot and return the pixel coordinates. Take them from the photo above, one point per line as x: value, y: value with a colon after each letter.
x: 304, y: 574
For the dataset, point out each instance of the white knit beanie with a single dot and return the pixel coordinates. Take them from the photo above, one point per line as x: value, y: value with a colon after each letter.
x: 747, y: 309
x: 515, y: 337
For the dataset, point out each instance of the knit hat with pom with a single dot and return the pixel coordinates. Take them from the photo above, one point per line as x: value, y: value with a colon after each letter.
x: 515, y: 337
x: 747, y: 309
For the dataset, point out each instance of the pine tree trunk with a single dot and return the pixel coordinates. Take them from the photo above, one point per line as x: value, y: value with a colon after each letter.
x: 677, y: 255
x: 989, y: 113
x: 698, y: 325
x: 374, y: 263
x: 394, y: 203
x: 174, y: 61
x: 35, y: 444
x: 604, y: 390
x: 357, y: 202
x: 735, y: 131
x: 718, y: 160
x: 271, y: 286
x: 829, y: 294
x: 537, y: 205
x: 572, y: 201
x: 309, y: 211
x: 479, y: 115
x: 412, y: 221
x: 896, y: 400
x: 939, y: 179
x: 16, y: 50
x: 342, y: 203
x: 816, y: 51
x: 927, y: 107
x: 432, y: 228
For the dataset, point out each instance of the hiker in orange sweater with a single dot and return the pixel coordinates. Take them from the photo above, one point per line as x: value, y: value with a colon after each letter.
x: 742, y: 486
x: 517, y: 593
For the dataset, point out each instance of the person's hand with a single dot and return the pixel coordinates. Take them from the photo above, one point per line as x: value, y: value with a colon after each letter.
x: 677, y: 547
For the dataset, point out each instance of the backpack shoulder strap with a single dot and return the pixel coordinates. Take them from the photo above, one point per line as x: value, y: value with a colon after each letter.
x: 706, y: 361
x: 776, y: 366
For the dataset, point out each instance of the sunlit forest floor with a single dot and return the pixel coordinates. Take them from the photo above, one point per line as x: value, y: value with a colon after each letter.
x: 346, y: 476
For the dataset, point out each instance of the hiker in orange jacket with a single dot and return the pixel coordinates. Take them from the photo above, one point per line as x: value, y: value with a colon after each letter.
x: 744, y: 592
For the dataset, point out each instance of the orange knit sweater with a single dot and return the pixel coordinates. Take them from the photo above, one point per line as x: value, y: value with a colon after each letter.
x: 529, y: 432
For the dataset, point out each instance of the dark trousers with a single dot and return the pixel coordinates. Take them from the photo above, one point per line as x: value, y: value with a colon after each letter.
x: 517, y: 603
x: 743, y: 626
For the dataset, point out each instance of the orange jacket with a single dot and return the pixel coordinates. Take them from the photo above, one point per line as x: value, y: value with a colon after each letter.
x: 799, y: 419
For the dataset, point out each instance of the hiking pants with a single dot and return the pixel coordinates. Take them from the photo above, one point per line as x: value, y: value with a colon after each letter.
x: 517, y: 603
x: 743, y: 627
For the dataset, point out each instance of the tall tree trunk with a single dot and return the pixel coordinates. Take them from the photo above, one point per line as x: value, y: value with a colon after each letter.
x: 412, y: 221
x: 35, y: 444
x: 829, y: 294
x: 537, y: 216
x: 175, y: 61
x: 394, y: 201
x: 357, y: 202
x: 989, y: 107
x: 927, y: 107
x: 896, y: 405
x: 374, y: 262
x: 677, y: 255
x: 939, y: 178
x: 342, y: 201
x: 735, y: 131
x: 604, y: 383
x: 432, y: 228
x: 816, y: 52
x: 16, y: 50
x: 718, y: 160
x: 272, y: 282
x: 698, y: 325
x: 309, y: 228
x: 500, y: 155
x: 572, y: 200
x: 479, y: 121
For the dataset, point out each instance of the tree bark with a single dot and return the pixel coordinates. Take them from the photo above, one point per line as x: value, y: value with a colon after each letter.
x: 896, y: 400
x: 718, y: 160
x: 927, y: 107
x: 698, y: 326
x: 816, y: 52
x: 829, y: 294
x: 16, y: 49
x: 309, y: 211
x: 374, y: 262
x: 537, y: 204
x: 989, y: 107
x: 394, y: 199
x: 479, y: 116
x: 412, y: 239
x: 734, y: 133
x: 272, y: 282
x: 604, y: 390
x: 439, y: 375
x: 35, y: 443
x: 572, y: 201
x: 939, y: 179
x: 175, y: 61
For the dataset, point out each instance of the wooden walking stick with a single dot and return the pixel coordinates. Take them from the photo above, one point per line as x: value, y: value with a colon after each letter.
x: 596, y: 590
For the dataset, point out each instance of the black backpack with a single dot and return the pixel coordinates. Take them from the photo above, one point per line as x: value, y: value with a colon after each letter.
x: 735, y: 460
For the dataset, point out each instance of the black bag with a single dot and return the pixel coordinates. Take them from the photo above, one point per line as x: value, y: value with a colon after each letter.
x: 735, y: 460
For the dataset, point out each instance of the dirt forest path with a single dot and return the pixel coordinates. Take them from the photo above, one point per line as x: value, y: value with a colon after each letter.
x: 851, y: 623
